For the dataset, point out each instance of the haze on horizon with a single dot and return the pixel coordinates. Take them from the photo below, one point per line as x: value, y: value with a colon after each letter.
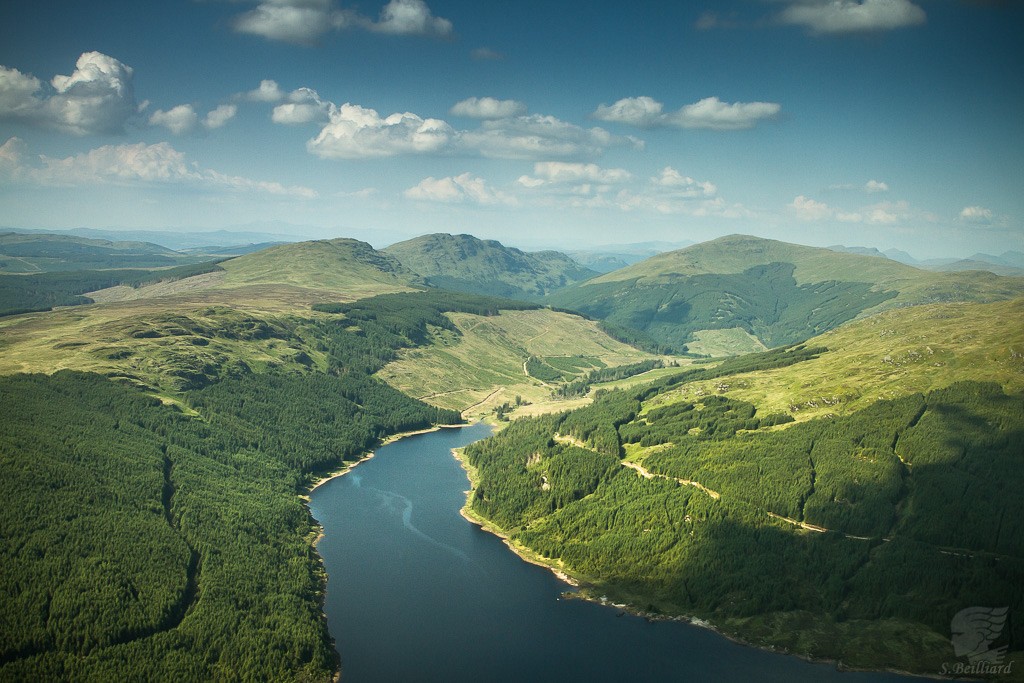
x: 886, y: 123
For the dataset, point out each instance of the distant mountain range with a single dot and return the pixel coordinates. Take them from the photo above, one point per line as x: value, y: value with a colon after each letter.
x: 760, y: 292
x: 736, y: 294
x: 38, y: 253
x: 1007, y: 263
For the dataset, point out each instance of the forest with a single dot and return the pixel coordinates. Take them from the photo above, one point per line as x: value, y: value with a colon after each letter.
x: 229, y: 585
x: 854, y: 538
x: 764, y: 300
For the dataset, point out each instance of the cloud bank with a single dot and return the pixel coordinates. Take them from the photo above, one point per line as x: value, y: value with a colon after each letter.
x: 487, y: 108
x: 849, y: 16
x: 97, y: 97
x: 709, y: 113
x: 356, y: 132
x: 458, y: 189
x: 129, y: 165
x: 183, y: 119
x: 304, y: 22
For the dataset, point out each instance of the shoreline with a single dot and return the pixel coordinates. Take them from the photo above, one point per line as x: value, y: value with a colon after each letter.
x: 490, y: 528
x: 347, y: 467
x: 580, y: 585
x: 528, y: 556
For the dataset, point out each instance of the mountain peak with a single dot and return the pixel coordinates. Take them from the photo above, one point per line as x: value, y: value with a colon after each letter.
x: 469, y: 264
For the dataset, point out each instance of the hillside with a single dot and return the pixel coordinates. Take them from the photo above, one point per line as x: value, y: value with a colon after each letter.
x: 339, y: 265
x: 854, y: 532
x: 465, y: 263
x: 281, y: 278
x: 482, y: 364
x: 41, y: 253
x: 974, y: 264
x: 760, y: 292
x: 159, y: 450
x: 894, y: 353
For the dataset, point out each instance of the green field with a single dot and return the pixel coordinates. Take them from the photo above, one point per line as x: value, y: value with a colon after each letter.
x: 483, y: 366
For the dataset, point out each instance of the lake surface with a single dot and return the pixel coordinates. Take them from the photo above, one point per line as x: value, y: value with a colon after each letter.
x: 417, y: 593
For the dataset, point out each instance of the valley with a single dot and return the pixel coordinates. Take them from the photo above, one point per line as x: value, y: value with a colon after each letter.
x: 189, y: 410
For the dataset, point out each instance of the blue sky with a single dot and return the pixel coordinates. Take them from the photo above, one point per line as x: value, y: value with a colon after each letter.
x: 889, y: 123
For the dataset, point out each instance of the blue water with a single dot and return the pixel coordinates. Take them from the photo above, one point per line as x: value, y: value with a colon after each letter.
x: 417, y: 593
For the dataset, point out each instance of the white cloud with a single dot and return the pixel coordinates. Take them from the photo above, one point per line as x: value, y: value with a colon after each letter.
x: 871, y: 187
x: 183, y: 118
x: 292, y: 21
x: 410, y: 17
x: 560, y: 172
x: 96, y: 98
x: 714, y: 114
x: 304, y: 106
x: 976, y: 214
x: 12, y: 154
x: 538, y: 137
x: 133, y: 164
x: 807, y: 209
x: 883, y: 213
x: 18, y: 94
x: 488, y: 108
x: 179, y: 120
x: 712, y: 20
x: 642, y: 112
x: 355, y: 132
x: 588, y: 186
x: 291, y: 113
x: 850, y: 16
x: 650, y: 200
x: 304, y: 22
x: 709, y: 113
x: 457, y: 189
x: 530, y: 182
x: 268, y: 91
x: 486, y: 54
x: 218, y: 117
x: 364, y: 193
x: 671, y: 192
x: 676, y: 183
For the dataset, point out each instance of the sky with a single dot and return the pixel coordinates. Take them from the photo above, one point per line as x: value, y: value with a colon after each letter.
x: 885, y: 123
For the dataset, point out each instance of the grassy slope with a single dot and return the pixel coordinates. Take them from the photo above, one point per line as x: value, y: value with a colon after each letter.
x: 150, y: 333
x: 459, y: 372
x: 344, y: 266
x: 736, y: 253
x: 733, y: 341
x: 892, y: 354
x: 149, y: 343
